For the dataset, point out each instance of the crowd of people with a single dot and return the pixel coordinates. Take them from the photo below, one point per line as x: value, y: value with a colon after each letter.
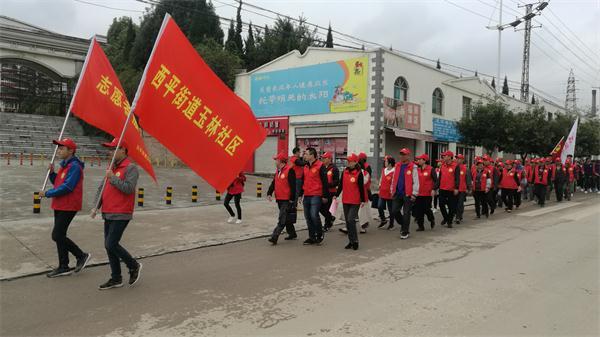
x: 413, y: 188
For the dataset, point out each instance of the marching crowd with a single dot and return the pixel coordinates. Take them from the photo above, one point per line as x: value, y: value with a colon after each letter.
x: 410, y: 187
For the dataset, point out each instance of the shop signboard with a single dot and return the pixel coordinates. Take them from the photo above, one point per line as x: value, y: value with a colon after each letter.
x: 445, y: 130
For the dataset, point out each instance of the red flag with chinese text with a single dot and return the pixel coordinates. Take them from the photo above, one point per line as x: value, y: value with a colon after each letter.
x: 100, y: 101
x: 557, y: 151
x: 184, y: 105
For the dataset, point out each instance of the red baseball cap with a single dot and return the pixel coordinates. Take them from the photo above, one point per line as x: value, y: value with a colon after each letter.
x: 114, y: 143
x: 68, y: 142
x: 509, y: 162
x: 557, y: 160
x: 460, y: 156
x: 362, y: 155
x: 326, y: 155
x: 404, y: 151
x: 487, y: 157
x: 479, y: 161
x: 281, y: 156
x: 424, y: 156
x: 352, y: 157
x: 448, y: 153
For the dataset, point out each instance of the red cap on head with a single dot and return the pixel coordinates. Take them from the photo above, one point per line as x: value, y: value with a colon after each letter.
x: 327, y: 155
x: 362, y: 155
x: 114, y: 143
x: 549, y: 159
x: 479, y: 161
x: 281, y: 156
x: 500, y: 164
x: 509, y: 162
x: 352, y: 157
x: 487, y: 157
x: 404, y: 151
x: 448, y: 153
x: 557, y: 160
x: 68, y: 142
x: 517, y: 161
x: 460, y: 156
x: 424, y: 156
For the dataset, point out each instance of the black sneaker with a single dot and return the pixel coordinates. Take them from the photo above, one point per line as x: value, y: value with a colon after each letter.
x: 273, y: 240
x: 318, y: 241
x: 348, y: 246
x: 291, y: 237
x: 327, y: 227
x: 309, y: 241
x: 457, y: 221
x: 404, y: 236
x: 443, y: 222
x: 111, y: 284
x: 365, y: 225
x: 382, y: 224
x: 390, y: 227
x: 355, y: 246
x: 60, y: 271
x: 449, y: 224
x: 134, y: 274
x: 81, y: 263
x: 432, y: 224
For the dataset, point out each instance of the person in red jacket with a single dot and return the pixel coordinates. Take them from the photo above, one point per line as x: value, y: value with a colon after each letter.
x: 353, y: 197
x: 66, y: 197
x: 526, y: 179
x: 284, y: 186
x: 464, y: 186
x: 404, y: 189
x: 492, y: 194
x: 427, y: 184
x: 570, y: 186
x: 234, y: 191
x: 333, y: 179
x: 481, y: 183
x: 541, y: 178
x: 117, y: 203
x: 449, y: 178
x: 509, y: 185
x: 385, y: 194
x: 316, y: 193
x: 297, y: 163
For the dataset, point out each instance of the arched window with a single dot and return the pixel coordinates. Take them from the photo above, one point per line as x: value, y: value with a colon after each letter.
x: 437, y: 101
x: 401, y: 89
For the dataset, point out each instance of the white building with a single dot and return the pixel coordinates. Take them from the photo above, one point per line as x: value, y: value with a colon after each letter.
x: 375, y: 102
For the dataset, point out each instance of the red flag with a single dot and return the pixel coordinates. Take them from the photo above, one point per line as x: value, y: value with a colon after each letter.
x: 187, y: 108
x: 100, y: 100
x: 557, y: 151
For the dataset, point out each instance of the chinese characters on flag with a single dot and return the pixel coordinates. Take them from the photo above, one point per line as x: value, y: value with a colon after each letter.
x: 186, y: 107
x: 100, y: 100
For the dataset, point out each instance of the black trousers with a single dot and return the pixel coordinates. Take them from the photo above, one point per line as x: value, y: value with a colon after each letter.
x: 508, y: 197
x: 481, y: 203
x: 236, y: 199
x: 113, y: 232
x: 491, y: 199
x: 540, y: 192
x: 64, y: 245
x: 518, y: 197
x: 423, y: 208
x: 401, y: 209
x: 383, y: 204
x: 559, y: 188
x: 351, y: 214
x: 325, y: 213
x: 283, y: 220
x: 460, y: 204
x: 447, y: 202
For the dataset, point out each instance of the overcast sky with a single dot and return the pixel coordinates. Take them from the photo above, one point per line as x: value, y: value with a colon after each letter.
x: 569, y: 37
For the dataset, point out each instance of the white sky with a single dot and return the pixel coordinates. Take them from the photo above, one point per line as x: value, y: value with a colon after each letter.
x: 430, y: 28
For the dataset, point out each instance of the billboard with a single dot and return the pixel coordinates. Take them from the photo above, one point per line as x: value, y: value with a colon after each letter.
x: 400, y: 114
x: 315, y: 89
x: 445, y: 130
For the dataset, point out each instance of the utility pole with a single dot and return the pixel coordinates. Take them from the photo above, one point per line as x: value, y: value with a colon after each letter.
x: 526, y: 47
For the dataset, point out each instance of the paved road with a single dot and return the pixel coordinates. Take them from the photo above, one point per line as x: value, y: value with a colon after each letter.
x: 534, y: 272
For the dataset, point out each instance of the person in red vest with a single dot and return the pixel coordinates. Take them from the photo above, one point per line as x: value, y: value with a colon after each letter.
x: 541, y: 179
x: 570, y: 186
x: 316, y: 193
x: 404, y: 189
x: 117, y: 202
x: 550, y: 165
x: 488, y: 164
x: 522, y: 182
x: 560, y: 178
x: 385, y: 194
x: 497, y: 193
x: 509, y: 185
x: 297, y: 163
x: 284, y: 187
x: 436, y: 196
x: 353, y: 197
x: 530, y: 179
x: 481, y: 183
x: 527, y: 171
x: 362, y: 161
x: 464, y: 186
x: 234, y: 191
x: 333, y: 179
x: 67, y: 196
x: 427, y: 184
x: 449, y: 182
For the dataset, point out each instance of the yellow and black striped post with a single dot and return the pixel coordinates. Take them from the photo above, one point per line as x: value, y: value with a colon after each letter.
x: 194, y: 193
x: 36, y: 202
x: 217, y: 195
x: 259, y: 189
x: 169, y: 196
x: 141, y: 197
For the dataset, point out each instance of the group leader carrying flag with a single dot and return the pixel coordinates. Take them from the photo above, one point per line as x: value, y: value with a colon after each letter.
x: 558, y: 149
x: 186, y: 107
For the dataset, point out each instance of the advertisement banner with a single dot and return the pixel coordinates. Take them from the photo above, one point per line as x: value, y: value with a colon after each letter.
x: 399, y: 114
x: 316, y: 89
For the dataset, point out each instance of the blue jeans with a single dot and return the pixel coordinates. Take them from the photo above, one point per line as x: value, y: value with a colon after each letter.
x: 113, y: 231
x: 312, y: 205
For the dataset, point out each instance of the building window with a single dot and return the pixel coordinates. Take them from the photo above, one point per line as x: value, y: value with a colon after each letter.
x: 466, y: 107
x: 401, y: 89
x: 550, y: 116
x: 437, y: 101
x: 434, y: 151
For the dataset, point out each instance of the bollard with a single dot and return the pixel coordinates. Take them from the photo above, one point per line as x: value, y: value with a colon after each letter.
x: 259, y: 189
x: 31, y: 159
x: 21, y: 159
x: 217, y: 195
x: 194, y: 193
x: 141, y: 197
x: 36, y: 202
x: 8, y: 155
x: 169, y: 195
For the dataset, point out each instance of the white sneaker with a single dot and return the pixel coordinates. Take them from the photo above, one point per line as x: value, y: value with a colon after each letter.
x: 231, y: 219
x: 238, y: 221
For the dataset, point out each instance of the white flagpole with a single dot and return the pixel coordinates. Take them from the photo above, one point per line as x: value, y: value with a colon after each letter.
x: 128, y: 119
x: 62, y: 130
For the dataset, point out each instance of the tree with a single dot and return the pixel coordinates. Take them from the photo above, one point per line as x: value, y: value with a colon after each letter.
x: 239, y: 45
x: 533, y: 99
x: 250, y: 50
x: 488, y: 126
x: 329, y: 42
x: 529, y: 134
x: 505, y: 86
x: 205, y: 24
x: 230, y: 43
x: 223, y: 62
x: 438, y: 66
x: 588, y: 138
x: 494, y: 82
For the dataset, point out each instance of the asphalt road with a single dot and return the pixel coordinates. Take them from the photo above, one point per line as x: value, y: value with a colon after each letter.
x: 533, y: 272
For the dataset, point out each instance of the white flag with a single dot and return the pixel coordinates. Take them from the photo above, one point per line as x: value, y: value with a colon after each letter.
x: 569, y: 147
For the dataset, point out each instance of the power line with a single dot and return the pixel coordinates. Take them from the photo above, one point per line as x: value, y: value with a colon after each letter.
x: 108, y: 7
